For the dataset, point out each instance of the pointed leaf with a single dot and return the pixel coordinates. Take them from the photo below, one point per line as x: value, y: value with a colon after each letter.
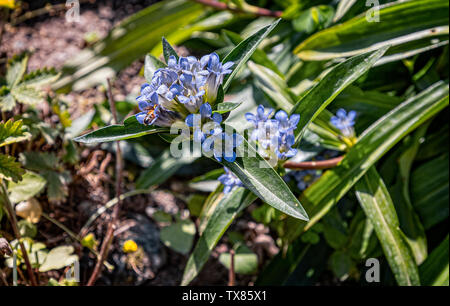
x: 168, y: 50
x: 10, y: 169
x: 131, y: 128
x: 244, y: 50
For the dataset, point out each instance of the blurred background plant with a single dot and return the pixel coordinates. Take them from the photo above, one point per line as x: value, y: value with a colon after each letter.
x: 381, y: 193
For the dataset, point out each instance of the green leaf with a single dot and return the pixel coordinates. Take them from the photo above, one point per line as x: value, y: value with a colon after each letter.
x: 16, y: 69
x: 226, y: 107
x: 371, y: 146
x: 151, y: 65
x: 400, y: 23
x: 377, y: 204
x: 400, y: 191
x: 245, y: 261
x: 244, y: 50
x: 162, y: 168
x: 26, y: 95
x: 341, y: 264
x: 58, y: 258
x: 40, y: 77
x: 30, y: 186
x: 57, y: 185
x: 40, y: 161
x: 313, y: 19
x: 179, y: 236
x: 258, y: 176
x: 434, y: 271
x: 342, y: 9
x: 7, y: 102
x: 12, y: 131
x: 131, y: 128
x: 168, y: 50
x: 259, y: 56
x: 10, y: 169
x: 311, y: 104
x: 430, y: 192
x: 224, y: 213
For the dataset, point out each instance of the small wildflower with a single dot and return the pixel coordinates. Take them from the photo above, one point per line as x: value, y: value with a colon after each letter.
x: 229, y: 180
x: 344, y: 121
x: 130, y: 246
x: 275, y: 136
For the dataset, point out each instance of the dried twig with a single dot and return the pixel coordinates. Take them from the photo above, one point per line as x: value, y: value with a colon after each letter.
x: 115, y: 215
x: 320, y: 164
x: 13, y: 221
x: 231, y: 274
x: 248, y: 9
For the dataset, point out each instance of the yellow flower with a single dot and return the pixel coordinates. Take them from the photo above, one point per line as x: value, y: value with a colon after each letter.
x: 130, y: 246
x: 7, y: 3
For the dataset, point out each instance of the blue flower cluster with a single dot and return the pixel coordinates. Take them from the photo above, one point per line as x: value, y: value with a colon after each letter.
x: 303, y: 178
x: 229, y: 180
x: 344, y: 121
x: 274, y: 135
x: 181, y: 89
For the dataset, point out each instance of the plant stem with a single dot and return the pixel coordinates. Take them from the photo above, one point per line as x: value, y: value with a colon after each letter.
x: 115, y: 215
x: 247, y: 9
x: 231, y: 274
x: 13, y: 220
x: 320, y: 164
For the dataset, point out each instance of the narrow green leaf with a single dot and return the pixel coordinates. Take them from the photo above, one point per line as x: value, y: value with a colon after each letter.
x: 168, y: 50
x: 377, y: 204
x: 131, y: 128
x: 434, y: 271
x: 371, y: 146
x: 258, y: 176
x: 311, y: 104
x: 161, y: 169
x: 400, y: 22
x: 225, y: 212
x: 244, y: 50
x: 226, y: 107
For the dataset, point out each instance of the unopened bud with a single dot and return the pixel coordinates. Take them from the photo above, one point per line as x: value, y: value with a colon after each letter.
x: 5, y: 248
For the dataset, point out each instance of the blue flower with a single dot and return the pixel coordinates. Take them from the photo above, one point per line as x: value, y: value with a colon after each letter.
x: 260, y: 117
x: 195, y: 121
x: 344, y: 121
x: 222, y: 144
x: 275, y: 136
x: 217, y: 71
x: 305, y: 178
x: 229, y: 180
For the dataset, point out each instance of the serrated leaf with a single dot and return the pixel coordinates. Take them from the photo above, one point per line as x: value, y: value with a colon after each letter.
x: 39, y: 161
x: 12, y: 131
x: 31, y: 184
x: 377, y: 204
x: 168, y: 50
x: 16, y: 69
x: 7, y: 102
x: 40, y: 77
x: 131, y: 128
x: 324, y: 92
x: 10, y: 169
x: 56, y: 185
x: 244, y: 50
x: 224, y: 213
x: 26, y: 95
x: 371, y: 146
